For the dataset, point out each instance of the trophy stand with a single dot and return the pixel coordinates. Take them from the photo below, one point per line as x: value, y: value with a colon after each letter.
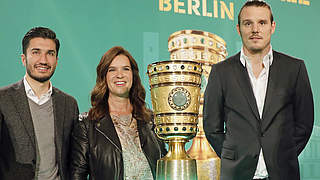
x: 176, y: 164
x: 208, y: 163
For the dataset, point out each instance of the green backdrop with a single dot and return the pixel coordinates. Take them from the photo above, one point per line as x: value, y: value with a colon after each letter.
x: 87, y: 29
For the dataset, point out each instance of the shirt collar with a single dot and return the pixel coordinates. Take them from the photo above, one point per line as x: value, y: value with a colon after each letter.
x: 30, y: 92
x: 267, y: 59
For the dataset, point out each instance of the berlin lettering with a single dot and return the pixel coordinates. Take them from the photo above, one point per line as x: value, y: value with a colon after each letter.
x: 301, y: 2
x: 216, y: 9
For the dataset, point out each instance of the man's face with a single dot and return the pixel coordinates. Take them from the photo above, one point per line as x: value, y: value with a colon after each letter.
x: 255, y: 29
x: 40, y: 59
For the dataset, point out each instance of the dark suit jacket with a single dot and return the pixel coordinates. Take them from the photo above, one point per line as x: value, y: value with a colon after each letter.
x: 283, y: 131
x: 17, y: 137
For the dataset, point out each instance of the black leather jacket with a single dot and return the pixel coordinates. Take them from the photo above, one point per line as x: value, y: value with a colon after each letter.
x: 96, y: 149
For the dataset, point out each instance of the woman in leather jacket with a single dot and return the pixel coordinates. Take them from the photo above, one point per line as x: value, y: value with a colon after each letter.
x: 115, y: 140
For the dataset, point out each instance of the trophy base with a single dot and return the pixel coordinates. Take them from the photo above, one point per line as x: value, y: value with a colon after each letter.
x: 208, y: 169
x: 185, y: 169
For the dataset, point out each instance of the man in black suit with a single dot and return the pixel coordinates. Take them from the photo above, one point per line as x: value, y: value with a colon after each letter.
x: 258, y: 108
x: 36, y: 118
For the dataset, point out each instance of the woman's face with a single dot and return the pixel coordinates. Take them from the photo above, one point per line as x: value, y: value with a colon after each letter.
x: 119, y: 77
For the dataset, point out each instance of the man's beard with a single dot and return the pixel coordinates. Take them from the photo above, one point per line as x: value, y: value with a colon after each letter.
x: 39, y: 79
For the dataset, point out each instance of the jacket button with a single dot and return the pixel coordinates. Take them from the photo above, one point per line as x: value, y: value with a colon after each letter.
x: 33, y: 161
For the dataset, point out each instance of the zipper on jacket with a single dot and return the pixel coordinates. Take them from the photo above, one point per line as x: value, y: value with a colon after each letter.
x: 108, y: 139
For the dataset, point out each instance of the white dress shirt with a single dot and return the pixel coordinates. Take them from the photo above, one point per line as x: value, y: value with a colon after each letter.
x: 259, y: 87
x: 31, y: 95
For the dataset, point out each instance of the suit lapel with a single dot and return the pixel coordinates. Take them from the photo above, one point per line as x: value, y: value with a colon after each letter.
x: 106, y: 127
x: 22, y: 105
x: 274, y: 75
x: 58, y: 103
x: 243, y: 79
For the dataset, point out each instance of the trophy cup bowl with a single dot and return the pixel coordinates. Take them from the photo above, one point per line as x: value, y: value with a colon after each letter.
x: 175, y: 96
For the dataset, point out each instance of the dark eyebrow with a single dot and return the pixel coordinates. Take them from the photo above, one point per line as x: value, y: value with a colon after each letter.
x: 246, y: 20
x: 120, y: 67
x: 35, y: 49
x: 38, y: 49
x: 50, y: 51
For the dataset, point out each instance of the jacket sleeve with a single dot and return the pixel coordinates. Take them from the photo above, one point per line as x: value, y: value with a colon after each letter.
x: 79, y: 150
x: 1, y: 121
x: 161, y: 144
x: 303, y: 109
x: 1, y: 116
x: 213, y: 114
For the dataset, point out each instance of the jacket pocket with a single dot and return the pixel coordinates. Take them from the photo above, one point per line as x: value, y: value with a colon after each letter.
x: 228, y: 154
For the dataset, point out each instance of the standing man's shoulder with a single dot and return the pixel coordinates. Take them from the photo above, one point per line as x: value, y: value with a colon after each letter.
x: 58, y: 92
x: 10, y: 88
x: 65, y: 103
x: 228, y: 62
x: 287, y: 63
x: 287, y: 58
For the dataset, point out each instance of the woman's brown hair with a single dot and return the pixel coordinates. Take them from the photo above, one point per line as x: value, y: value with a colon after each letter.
x: 100, y: 92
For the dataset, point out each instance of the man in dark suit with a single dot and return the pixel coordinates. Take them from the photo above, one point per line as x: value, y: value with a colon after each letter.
x: 258, y: 108
x: 36, y: 118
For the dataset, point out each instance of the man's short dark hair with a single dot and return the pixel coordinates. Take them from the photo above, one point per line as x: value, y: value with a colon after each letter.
x: 256, y: 3
x: 42, y: 32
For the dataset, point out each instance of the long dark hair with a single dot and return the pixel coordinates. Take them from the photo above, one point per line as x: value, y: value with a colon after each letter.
x: 100, y: 92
